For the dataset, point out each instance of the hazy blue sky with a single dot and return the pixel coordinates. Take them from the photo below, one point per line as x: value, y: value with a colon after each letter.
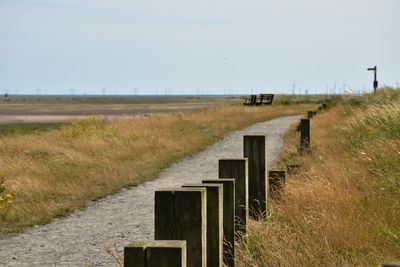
x: 205, y: 46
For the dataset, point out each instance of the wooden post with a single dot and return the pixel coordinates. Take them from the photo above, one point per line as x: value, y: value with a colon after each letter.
x: 276, y: 182
x: 304, y: 135
x: 228, y: 218
x: 215, y: 240
x: 238, y: 169
x: 155, y: 254
x: 181, y: 214
x: 310, y: 114
x: 254, y: 151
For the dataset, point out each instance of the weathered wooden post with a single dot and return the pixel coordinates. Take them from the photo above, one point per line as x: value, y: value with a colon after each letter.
x: 310, y: 114
x: 238, y: 169
x: 214, y: 222
x: 228, y: 218
x: 181, y: 214
x: 254, y: 151
x: 304, y: 135
x: 276, y: 182
x: 160, y: 253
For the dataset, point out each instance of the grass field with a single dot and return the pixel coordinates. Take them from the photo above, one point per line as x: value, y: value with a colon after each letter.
x: 343, y: 207
x: 54, y: 172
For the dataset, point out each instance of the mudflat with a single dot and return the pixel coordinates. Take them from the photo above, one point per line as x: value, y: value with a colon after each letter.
x: 64, y: 109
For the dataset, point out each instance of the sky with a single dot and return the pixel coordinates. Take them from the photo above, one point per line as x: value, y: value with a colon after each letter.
x: 197, y: 47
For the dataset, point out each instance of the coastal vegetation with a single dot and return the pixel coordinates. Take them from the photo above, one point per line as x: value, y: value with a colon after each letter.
x: 342, y: 208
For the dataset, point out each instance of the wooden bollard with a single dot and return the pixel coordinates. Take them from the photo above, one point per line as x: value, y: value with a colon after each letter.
x: 276, y: 182
x: 310, y: 114
x: 181, y: 214
x: 304, y: 135
x: 215, y: 198
x: 160, y: 253
x: 238, y: 169
x: 254, y: 151
x: 228, y: 218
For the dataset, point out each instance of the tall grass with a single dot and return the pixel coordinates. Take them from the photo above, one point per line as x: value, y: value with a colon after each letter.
x: 55, y: 172
x: 343, y: 207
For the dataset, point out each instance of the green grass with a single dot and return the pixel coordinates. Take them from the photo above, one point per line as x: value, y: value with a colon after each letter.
x: 306, y: 99
x: 15, y: 129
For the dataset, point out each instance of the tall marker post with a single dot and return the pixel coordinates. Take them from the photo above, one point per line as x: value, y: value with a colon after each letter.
x: 375, y: 84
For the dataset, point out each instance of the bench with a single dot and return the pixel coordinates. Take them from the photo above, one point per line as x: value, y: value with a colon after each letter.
x: 259, y: 100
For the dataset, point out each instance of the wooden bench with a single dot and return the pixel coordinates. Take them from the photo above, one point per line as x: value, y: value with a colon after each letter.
x: 259, y: 100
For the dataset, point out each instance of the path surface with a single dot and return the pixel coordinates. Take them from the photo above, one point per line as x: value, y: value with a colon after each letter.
x: 79, y: 239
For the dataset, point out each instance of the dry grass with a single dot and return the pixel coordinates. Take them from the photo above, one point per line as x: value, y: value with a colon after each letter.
x: 343, y: 208
x: 55, y: 172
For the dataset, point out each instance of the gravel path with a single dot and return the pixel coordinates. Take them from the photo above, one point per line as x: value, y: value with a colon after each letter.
x: 79, y: 239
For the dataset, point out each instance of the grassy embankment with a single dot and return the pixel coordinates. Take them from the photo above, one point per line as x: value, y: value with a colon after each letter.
x: 343, y: 207
x: 55, y: 172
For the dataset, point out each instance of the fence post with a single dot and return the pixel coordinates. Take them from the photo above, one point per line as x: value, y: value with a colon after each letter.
x: 228, y: 218
x: 254, y: 151
x: 304, y: 135
x: 214, y: 222
x: 238, y: 169
x: 155, y: 254
x: 276, y: 182
x: 310, y: 114
x: 181, y: 214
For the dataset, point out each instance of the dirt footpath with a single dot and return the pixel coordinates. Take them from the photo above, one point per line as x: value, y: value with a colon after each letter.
x: 79, y: 239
